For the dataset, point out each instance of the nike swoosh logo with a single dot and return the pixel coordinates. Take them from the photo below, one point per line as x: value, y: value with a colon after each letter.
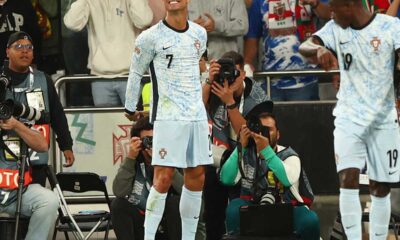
x: 350, y: 226
x: 379, y: 234
x: 196, y: 217
x: 391, y: 173
x: 209, y: 155
x: 341, y: 43
x: 165, y: 48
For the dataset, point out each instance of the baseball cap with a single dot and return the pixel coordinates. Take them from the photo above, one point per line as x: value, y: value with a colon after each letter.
x: 263, y: 107
x: 17, y: 36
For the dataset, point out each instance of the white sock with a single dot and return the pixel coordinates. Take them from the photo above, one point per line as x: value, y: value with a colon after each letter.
x: 379, y: 217
x: 189, y: 206
x: 154, y: 211
x: 350, y: 211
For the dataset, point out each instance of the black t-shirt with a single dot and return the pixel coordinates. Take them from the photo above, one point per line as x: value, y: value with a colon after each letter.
x: 18, y: 15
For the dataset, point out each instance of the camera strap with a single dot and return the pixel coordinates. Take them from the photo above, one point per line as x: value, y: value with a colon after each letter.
x: 240, y: 158
x: 241, y: 165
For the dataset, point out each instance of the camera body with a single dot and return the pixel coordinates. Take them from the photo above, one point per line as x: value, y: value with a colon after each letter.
x: 9, y: 107
x: 255, y: 125
x: 147, y: 142
x: 6, y: 107
x: 227, y: 71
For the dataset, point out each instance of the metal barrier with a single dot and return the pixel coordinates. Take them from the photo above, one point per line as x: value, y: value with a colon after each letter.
x: 108, y: 132
x: 270, y: 74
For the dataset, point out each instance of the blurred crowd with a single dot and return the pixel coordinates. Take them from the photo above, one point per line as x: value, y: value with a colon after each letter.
x: 97, y: 37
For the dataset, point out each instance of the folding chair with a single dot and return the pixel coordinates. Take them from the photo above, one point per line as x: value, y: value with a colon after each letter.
x: 7, y: 227
x: 84, y: 221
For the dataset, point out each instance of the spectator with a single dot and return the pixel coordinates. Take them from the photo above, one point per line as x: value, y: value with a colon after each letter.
x: 18, y: 15
x: 283, y: 166
x: 37, y: 202
x: 393, y: 9
x: 248, y: 3
x: 224, y: 21
x: 37, y: 90
x: 283, y: 26
x: 112, y: 30
x: 224, y: 105
x: 158, y: 9
x: 48, y: 16
x: 132, y: 185
x: 75, y: 56
x: 382, y: 6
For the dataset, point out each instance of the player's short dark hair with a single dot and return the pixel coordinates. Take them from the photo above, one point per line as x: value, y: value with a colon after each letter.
x: 140, y: 125
x: 237, y: 58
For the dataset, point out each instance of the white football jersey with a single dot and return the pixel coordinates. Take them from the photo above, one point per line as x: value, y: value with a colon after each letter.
x: 172, y: 58
x: 366, y: 62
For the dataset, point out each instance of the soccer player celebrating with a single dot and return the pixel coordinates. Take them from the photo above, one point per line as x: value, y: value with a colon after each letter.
x: 366, y: 124
x: 172, y: 49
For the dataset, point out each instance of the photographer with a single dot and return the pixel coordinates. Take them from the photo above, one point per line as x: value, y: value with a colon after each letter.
x: 131, y: 187
x: 283, y: 175
x: 39, y: 203
x: 33, y: 88
x: 227, y: 94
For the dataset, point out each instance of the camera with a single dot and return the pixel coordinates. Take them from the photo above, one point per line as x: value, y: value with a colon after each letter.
x: 147, y: 142
x: 254, y: 124
x: 9, y: 107
x: 227, y: 71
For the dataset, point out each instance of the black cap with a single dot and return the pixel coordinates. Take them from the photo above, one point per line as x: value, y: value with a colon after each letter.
x: 263, y: 107
x: 17, y: 36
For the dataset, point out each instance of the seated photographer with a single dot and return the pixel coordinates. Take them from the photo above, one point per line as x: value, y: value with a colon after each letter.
x: 38, y: 203
x: 34, y: 89
x: 227, y: 94
x: 132, y: 184
x: 282, y: 170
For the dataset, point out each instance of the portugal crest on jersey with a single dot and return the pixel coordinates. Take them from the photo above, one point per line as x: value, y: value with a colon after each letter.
x: 375, y: 42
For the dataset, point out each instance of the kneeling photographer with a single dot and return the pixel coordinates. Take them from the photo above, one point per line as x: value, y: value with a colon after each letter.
x: 132, y: 184
x: 269, y: 174
x: 227, y: 94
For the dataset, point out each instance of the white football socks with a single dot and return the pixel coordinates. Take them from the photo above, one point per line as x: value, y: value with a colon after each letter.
x: 154, y: 211
x: 189, y: 206
x: 379, y: 217
x: 350, y: 211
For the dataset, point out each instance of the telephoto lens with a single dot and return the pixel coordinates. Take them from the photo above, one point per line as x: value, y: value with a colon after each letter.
x: 267, y: 198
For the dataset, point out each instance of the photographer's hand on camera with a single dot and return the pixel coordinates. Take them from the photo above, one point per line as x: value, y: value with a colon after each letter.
x: 213, y: 71
x: 225, y: 93
x: 135, y: 146
x: 9, y: 124
x: 244, y: 135
x: 260, y: 140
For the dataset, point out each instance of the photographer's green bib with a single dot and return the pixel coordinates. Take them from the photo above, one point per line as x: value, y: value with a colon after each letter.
x: 33, y: 91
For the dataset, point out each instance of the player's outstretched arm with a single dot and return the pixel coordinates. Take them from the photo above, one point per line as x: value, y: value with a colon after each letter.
x: 316, y: 53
